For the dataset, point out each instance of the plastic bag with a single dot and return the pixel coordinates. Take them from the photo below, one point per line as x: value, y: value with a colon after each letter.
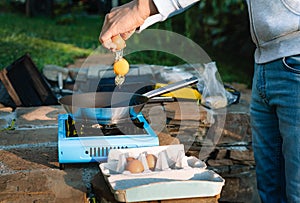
x: 214, y: 95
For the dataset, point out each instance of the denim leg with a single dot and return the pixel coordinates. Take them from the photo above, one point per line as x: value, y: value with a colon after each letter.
x: 289, y: 124
x: 275, y: 119
x: 266, y: 142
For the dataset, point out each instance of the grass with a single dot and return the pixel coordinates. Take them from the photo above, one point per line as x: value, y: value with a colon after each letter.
x: 46, y: 41
x: 49, y: 42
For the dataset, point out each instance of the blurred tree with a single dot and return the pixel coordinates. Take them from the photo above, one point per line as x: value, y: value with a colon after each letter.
x: 39, y: 7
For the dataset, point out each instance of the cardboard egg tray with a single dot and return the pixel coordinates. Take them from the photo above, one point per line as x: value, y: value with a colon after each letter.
x: 176, y: 176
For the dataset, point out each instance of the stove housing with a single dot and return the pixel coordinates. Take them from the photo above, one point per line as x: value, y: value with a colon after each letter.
x: 81, y: 143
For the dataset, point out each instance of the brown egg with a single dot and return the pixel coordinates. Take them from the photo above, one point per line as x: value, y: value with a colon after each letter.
x: 119, y: 41
x: 151, y: 160
x: 130, y: 158
x: 135, y: 166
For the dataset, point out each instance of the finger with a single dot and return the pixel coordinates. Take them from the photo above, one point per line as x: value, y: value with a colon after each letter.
x: 104, y: 35
x: 127, y: 35
x: 113, y: 9
x: 108, y: 44
x: 107, y: 31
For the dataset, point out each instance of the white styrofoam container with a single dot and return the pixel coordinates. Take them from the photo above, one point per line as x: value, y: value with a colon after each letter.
x: 158, y: 185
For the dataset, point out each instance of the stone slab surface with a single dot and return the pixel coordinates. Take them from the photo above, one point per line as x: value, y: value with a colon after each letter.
x: 28, y: 136
x: 29, y: 169
x: 33, y: 175
x: 43, y: 116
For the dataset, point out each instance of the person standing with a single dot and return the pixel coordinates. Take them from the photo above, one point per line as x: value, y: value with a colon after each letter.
x: 275, y: 103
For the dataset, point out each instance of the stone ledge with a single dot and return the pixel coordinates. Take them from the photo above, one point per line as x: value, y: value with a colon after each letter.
x: 32, y: 136
x: 41, y: 186
x: 25, y: 155
x: 33, y: 175
x: 43, y: 116
x: 240, y: 187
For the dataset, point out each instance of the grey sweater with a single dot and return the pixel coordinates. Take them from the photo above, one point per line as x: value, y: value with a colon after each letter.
x: 275, y: 28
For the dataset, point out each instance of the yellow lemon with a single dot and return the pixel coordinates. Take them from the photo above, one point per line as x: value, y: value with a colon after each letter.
x: 121, y: 67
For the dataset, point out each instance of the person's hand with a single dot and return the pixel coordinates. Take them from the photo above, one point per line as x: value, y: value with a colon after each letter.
x: 124, y: 20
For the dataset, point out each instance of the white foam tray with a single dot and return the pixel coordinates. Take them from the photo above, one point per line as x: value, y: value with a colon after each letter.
x: 158, y: 185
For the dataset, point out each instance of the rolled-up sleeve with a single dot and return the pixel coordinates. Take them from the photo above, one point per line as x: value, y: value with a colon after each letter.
x: 166, y: 9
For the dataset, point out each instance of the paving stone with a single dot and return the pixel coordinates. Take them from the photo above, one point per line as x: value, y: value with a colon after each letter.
x: 240, y: 187
x: 27, y: 137
x: 188, y: 111
x: 42, y: 186
x: 33, y: 175
x: 242, y: 155
x: 236, y: 128
x: 6, y: 117
x: 220, y: 162
x: 26, y: 159
x: 42, y: 116
x: 222, y: 153
x: 29, y: 169
x: 166, y: 139
x: 5, y: 110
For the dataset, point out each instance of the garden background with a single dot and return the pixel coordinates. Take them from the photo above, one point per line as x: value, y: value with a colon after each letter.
x: 71, y: 31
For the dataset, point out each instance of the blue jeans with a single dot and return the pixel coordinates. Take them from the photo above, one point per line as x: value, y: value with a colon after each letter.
x: 275, y: 120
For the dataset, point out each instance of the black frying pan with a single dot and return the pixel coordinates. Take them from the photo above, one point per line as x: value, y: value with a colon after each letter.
x: 112, y: 107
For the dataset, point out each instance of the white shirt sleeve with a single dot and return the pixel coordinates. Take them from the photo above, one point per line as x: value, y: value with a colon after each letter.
x: 166, y: 9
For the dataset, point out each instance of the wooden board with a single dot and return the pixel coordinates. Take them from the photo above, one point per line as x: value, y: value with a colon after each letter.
x: 26, y: 85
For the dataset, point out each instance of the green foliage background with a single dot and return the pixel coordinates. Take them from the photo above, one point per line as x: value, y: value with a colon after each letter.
x: 221, y: 28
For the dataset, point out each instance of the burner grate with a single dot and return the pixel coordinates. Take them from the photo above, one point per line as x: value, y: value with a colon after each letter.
x: 84, y: 128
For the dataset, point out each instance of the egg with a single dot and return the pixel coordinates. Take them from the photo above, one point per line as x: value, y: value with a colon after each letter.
x: 121, y: 67
x: 151, y: 160
x: 119, y: 42
x: 135, y: 166
x: 130, y: 159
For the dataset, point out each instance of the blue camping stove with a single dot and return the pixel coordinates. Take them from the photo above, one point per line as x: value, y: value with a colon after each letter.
x: 83, y: 142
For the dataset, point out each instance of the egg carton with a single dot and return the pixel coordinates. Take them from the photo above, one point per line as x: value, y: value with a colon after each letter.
x: 175, y: 176
x: 168, y: 158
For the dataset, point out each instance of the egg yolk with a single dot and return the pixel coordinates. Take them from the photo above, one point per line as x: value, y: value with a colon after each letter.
x: 121, y: 67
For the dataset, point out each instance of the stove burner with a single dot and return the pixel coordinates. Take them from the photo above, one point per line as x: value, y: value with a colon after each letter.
x: 85, y: 128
